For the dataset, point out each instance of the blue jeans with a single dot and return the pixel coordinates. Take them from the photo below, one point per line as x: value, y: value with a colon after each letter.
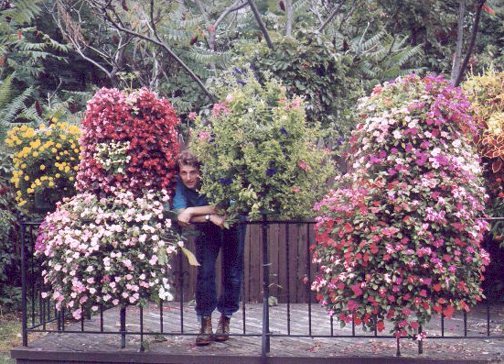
x: 210, y: 240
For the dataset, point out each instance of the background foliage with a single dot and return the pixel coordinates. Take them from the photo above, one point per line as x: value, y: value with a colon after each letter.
x: 54, y: 54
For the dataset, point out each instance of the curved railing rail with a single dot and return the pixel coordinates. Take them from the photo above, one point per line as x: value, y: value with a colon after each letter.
x: 40, y: 315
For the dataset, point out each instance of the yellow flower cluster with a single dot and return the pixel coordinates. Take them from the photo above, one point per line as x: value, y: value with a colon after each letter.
x: 46, y: 159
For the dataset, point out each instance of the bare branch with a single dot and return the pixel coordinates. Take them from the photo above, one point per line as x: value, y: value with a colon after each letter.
x: 119, y: 26
x: 349, y: 15
x: 72, y: 32
x: 237, y: 5
x: 261, y: 23
x: 330, y: 17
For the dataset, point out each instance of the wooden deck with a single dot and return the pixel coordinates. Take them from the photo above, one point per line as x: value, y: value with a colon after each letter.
x: 177, y: 345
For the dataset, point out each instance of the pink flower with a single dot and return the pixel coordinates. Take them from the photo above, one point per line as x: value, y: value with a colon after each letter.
x: 204, y: 136
x: 303, y: 165
x: 219, y: 109
x: 352, y: 305
x: 356, y: 290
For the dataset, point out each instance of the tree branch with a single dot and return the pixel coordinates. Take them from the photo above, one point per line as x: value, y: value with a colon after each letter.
x: 330, y: 17
x: 234, y: 7
x: 161, y: 44
x: 261, y: 23
x: 71, y: 32
x: 474, y: 33
x: 352, y: 9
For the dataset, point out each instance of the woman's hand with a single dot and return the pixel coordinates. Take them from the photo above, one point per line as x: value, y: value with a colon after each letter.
x: 184, y: 218
x: 218, y: 220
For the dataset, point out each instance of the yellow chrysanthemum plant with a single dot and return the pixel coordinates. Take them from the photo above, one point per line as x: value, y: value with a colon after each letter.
x: 486, y: 94
x: 46, y: 161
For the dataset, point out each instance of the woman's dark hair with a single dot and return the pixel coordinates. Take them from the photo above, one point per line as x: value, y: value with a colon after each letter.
x: 186, y: 158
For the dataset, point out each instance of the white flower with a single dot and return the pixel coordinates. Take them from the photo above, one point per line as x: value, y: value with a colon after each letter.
x: 435, y: 152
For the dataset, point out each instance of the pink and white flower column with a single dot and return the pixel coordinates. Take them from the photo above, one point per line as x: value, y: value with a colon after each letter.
x: 399, y: 240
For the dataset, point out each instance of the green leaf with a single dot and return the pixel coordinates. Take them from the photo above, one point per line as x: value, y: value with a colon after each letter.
x: 191, y: 258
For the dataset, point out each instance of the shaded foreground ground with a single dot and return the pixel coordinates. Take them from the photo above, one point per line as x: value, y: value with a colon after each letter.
x: 10, y: 335
x: 93, y: 348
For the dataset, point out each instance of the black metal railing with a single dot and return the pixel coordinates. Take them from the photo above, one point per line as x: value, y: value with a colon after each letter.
x: 39, y: 314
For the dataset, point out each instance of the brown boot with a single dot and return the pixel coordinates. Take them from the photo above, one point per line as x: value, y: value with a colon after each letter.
x: 205, y: 336
x: 222, y: 332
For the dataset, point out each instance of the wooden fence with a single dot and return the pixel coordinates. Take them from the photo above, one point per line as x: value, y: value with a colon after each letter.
x: 291, y: 269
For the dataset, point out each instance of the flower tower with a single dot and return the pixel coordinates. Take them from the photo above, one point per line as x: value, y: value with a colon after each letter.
x: 399, y: 240
x: 129, y: 142
x: 111, y: 244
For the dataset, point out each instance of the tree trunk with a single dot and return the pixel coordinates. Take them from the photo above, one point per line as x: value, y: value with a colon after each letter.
x: 457, y: 57
x: 474, y: 33
x: 289, y: 15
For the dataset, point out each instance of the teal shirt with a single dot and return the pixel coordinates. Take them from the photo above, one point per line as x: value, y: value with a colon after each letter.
x: 186, y: 197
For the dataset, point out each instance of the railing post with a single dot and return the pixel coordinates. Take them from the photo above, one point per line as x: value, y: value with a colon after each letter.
x: 181, y: 285
x: 142, y: 346
x: 24, y: 305
x: 123, y: 327
x: 420, y: 340
x: 265, y: 324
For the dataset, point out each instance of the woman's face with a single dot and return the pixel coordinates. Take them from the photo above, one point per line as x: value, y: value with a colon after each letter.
x: 190, y: 176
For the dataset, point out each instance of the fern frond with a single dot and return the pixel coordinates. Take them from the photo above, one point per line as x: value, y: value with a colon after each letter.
x: 25, y: 46
x: 371, y: 42
x: 65, y: 48
x: 205, y: 56
x: 6, y: 91
x: 400, y: 44
x: 27, y: 69
x: 408, y: 54
x: 10, y: 111
x: 176, y: 35
x: 30, y: 114
x: 23, y: 11
x: 300, y: 7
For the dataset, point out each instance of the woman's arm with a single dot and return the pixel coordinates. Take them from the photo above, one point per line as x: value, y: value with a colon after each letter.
x: 195, y: 214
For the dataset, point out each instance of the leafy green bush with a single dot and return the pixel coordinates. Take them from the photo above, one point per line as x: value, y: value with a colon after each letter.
x: 258, y: 152
x: 9, y: 260
x: 486, y: 93
x: 311, y: 67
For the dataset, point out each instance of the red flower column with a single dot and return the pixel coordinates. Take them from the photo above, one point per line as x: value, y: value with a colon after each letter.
x: 141, y: 127
x: 399, y: 240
